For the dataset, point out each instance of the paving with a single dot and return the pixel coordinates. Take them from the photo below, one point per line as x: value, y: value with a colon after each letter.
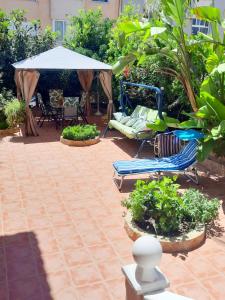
x: 61, y: 219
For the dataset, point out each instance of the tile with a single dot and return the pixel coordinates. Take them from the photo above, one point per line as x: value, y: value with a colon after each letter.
x: 102, y: 252
x: 3, y: 290
x: 21, y: 269
x: 66, y: 294
x: 37, y: 222
x: 93, y: 238
x: 77, y: 257
x: 116, y: 287
x: 50, y: 263
x: 55, y: 282
x: 85, y: 274
x: 110, y: 269
x: 58, y: 219
x: 194, y: 291
x: 93, y: 292
x: 25, y: 289
x: 44, y: 241
x: 215, y: 286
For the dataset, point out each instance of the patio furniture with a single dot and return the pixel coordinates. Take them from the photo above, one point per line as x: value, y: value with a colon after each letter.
x: 47, y: 112
x: 181, y: 163
x: 135, y: 125
x: 56, y: 98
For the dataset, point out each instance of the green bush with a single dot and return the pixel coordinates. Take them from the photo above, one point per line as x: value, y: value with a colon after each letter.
x: 198, y: 208
x: 158, y: 205
x: 3, y: 125
x: 80, y: 132
x: 15, y: 112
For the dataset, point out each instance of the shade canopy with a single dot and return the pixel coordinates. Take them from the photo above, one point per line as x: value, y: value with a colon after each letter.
x: 61, y: 58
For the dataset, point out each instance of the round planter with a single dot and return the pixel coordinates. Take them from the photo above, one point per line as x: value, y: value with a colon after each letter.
x: 9, y: 131
x: 187, y: 242
x: 80, y: 143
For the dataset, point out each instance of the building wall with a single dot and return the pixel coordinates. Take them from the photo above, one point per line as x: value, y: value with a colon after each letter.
x: 139, y: 4
x: 39, y: 9
x: 110, y: 9
x: 61, y: 11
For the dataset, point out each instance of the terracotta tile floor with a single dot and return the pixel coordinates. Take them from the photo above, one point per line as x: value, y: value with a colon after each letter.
x: 62, y: 233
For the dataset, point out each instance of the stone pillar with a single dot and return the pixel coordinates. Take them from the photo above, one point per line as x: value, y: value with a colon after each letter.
x: 144, y: 280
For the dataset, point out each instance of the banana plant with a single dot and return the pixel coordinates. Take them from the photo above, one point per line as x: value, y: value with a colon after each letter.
x: 167, y: 39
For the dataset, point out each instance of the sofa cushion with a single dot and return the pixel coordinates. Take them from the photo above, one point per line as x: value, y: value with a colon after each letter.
x: 152, y: 115
x: 127, y: 131
x: 139, y: 125
x: 131, y: 122
x: 124, y: 119
x: 118, y: 116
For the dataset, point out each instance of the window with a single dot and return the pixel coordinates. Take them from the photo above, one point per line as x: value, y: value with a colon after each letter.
x: 199, y: 26
x: 59, y: 26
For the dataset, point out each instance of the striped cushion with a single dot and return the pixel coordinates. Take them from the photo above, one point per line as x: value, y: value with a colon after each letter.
x: 166, y: 144
x: 177, y: 162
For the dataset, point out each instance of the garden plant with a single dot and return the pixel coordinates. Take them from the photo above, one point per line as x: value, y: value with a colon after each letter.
x: 158, y: 207
x: 204, y: 85
x: 80, y: 132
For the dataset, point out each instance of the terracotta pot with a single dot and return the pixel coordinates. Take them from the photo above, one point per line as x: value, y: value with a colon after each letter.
x: 80, y: 143
x: 186, y: 242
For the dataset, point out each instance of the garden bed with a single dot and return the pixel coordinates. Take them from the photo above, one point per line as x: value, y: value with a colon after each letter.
x: 185, y: 242
x: 80, y: 143
x: 9, y: 131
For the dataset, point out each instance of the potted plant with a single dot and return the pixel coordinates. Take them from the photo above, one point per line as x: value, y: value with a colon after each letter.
x: 15, y: 112
x: 80, y: 135
x: 177, y: 220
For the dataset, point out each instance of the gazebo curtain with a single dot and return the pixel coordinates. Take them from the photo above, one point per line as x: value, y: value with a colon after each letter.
x: 26, y: 82
x: 106, y: 81
x: 86, y: 79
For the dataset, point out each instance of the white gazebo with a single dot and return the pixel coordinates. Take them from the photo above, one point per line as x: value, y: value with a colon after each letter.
x: 59, y: 58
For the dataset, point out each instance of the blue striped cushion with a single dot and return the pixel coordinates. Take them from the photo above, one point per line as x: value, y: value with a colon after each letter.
x: 177, y: 162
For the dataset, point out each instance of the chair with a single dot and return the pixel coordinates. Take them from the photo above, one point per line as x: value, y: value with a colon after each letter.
x: 180, y: 162
x: 56, y: 98
x: 47, y: 112
x: 70, y: 110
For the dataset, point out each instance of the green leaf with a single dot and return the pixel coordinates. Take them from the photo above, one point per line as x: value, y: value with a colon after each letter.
x: 203, y: 112
x: 207, y: 13
x: 204, y: 149
x: 219, y: 131
x: 158, y: 125
x: 157, y: 30
x: 214, y: 105
x: 123, y: 62
x: 212, y: 62
x: 220, y: 69
x: 193, y: 123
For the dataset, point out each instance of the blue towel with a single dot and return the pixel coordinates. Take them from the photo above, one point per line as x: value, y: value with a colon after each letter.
x: 188, y: 135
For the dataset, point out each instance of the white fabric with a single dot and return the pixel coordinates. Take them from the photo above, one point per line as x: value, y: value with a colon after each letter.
x: 61, y: 58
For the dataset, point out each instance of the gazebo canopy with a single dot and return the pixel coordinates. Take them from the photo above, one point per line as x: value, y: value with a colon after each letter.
x: 61, y: 58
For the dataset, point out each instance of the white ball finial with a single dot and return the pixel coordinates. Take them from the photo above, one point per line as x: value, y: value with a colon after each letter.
x: 147, y: 253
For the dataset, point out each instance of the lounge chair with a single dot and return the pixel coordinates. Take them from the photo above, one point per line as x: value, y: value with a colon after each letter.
x: 180, y: 162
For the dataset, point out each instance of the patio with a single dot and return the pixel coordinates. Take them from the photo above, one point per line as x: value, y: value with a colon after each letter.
x: 62, y: 233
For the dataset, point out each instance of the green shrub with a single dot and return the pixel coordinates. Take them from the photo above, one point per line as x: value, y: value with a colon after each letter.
x: 198, y: 208
x: 80, y: 132
x: 15, y: 112
x: 158, y: 205
x: 3, y: 125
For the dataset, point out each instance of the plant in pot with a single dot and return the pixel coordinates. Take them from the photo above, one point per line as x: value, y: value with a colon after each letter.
x: 5, y: 97
x: 80, y: 135
x: 158, y: 208
x: 15, y: 112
